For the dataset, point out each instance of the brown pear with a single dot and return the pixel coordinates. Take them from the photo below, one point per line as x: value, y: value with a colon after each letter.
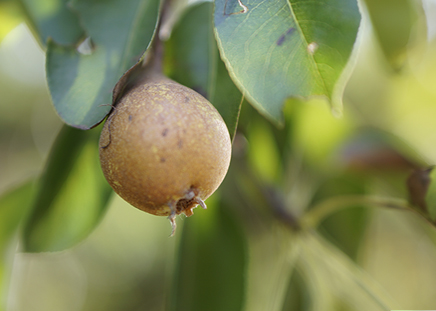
x: 164, y: 148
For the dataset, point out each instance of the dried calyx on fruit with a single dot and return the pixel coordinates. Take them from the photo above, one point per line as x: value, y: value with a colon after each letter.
x: 164, y: 148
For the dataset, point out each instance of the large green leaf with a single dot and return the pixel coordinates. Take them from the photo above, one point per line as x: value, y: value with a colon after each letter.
x: 14, y: 206
x: 72, y: 195
x: 210, y: 273
x: 53, y: 19
x: 286, y: 48
x: 81, y: 84
x: 195, y: 63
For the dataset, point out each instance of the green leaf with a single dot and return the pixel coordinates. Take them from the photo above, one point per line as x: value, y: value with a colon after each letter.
x: 14, y: 206
x: 211, y: 262
x: 226, y: 97
x: 195, y: 63
x: 264, y: 154
x: 393, y: 22
x: 286, y: 48
x: 53, y: 19
x: 81, y: 84
x: 72, y: 196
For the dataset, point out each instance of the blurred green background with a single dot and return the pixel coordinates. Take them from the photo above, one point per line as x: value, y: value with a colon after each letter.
x: 240, y: 252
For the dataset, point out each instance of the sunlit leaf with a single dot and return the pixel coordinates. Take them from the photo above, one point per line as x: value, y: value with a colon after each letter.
x: 72, y: 195
x: 280, y: 49
x: 14, y: 206
x: 81, y: 84
x: 53, y: 19
x: 195, y: 63
x: 210, y: 272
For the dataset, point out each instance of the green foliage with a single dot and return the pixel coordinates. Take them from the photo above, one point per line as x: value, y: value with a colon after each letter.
x: 81, y: 84
x: 281, y: 49
x: 53, y: 19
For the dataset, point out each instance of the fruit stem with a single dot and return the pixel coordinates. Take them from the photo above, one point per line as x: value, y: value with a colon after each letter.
x: 155, y: 64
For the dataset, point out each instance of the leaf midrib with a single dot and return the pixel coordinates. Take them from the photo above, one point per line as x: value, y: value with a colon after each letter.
x: 131, y: 34
x: 297, y: 24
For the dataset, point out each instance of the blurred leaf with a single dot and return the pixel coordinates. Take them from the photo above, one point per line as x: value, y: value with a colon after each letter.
x: 210, y: 273
x: 195, y: 60
x: 81, y: 84
x: 297, y: 298
x: 421, y: 185
x: 272, y: 251
x: 418, y: 184
x: 371, y: 149
x: 14, y: 206
x: 393, y: 22
x: 72, y: 196
x: 281, y: 49
x: 272, y: 259
x: 264, y: 154
x: 345, y: 229
x: 335, y: 282
x: 53, y: 19
x: 317, y: 133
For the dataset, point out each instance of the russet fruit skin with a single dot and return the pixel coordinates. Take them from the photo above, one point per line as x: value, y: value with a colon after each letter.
x: 165, y: 148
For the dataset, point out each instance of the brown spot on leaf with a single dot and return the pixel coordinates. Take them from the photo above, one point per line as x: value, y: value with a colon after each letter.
x: 165, y: 132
